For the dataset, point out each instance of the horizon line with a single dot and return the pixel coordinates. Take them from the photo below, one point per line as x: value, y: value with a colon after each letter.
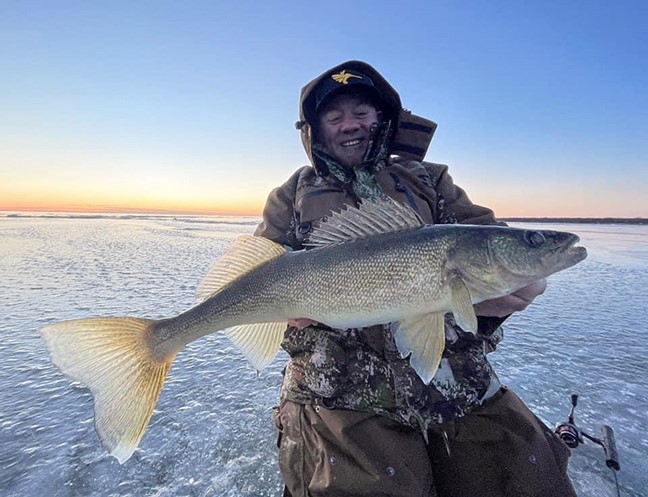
x: 192, y: 212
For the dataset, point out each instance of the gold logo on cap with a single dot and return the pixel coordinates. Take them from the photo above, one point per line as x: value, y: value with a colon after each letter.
x: 343, y: 77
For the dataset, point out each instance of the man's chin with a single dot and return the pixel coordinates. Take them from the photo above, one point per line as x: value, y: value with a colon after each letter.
x: 349, y: 160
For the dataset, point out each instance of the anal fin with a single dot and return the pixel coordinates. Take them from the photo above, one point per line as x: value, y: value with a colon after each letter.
x: 258, y: 342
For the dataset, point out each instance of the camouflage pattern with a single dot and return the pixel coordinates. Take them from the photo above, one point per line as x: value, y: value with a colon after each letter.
x: 341, y: 369
x: 361, y: 369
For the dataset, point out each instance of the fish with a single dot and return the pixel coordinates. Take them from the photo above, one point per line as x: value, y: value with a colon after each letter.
x: 376, y: 263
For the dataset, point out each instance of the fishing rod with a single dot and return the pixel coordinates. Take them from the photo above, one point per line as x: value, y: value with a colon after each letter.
x: 573, y: 436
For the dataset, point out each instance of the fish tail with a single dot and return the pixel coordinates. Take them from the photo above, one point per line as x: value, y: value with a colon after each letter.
x: 113, y: 358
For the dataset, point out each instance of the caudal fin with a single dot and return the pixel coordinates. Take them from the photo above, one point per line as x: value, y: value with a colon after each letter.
x: 111, y: 356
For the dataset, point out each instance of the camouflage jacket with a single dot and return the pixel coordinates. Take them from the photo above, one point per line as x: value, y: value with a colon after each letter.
x: 361, y: 369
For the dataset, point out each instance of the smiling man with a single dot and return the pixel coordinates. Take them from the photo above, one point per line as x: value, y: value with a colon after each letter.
x: 354, y: 417
x: 345, y: 127
x: 347, y: 109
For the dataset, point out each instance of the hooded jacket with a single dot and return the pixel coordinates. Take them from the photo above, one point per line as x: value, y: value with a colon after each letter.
x: 361, y: 369
x: 413, y: 133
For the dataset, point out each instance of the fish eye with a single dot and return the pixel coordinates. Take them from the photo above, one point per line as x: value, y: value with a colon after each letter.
x: 534, y: 238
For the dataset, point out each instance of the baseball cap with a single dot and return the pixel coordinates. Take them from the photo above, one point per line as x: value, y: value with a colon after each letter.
x: 342, y: 81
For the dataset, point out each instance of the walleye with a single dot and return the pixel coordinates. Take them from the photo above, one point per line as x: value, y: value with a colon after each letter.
x: 369, y: 265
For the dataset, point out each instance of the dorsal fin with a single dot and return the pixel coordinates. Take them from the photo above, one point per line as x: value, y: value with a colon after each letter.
x: 244, y: 254
x: 370, y: 218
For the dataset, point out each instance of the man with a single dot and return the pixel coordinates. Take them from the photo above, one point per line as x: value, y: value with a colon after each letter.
x: 355, y: 419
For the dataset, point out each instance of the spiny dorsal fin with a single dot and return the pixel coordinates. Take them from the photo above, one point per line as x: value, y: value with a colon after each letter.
x: 370, y: 218
x: 244, y: 254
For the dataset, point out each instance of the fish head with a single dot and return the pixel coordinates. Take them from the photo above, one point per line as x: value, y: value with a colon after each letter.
x: 506, y: 259
x: 525, y: 255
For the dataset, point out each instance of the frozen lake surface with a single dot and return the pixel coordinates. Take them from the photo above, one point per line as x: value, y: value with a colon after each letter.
x: 211, y: 434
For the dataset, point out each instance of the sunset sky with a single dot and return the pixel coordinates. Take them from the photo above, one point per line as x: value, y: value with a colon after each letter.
x: 190, y: 106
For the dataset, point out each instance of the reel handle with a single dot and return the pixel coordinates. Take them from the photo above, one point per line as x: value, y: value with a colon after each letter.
x: 574, y: 402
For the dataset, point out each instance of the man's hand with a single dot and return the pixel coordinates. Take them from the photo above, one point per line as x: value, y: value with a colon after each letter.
x: 517, y: 301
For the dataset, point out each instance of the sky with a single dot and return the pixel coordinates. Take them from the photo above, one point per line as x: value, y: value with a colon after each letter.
x: 542, y: 106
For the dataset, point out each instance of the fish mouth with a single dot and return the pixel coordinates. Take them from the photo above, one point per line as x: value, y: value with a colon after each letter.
x: 569, y: 252
x: 576, y: 249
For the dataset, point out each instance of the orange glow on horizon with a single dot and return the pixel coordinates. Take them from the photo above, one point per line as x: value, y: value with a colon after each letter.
x: 238, y: 209
x: 105, y: 195
x: 241, y: 202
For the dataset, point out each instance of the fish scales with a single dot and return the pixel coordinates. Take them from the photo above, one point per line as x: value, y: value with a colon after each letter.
x: 361, y: 281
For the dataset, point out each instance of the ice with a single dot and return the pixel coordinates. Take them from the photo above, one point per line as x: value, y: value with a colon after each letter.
x: 211, y: 433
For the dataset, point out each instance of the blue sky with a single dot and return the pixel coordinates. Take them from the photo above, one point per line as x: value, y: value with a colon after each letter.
x: 542, y: 106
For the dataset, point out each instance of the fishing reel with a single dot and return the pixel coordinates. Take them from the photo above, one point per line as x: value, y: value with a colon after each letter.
x: 573, y: 436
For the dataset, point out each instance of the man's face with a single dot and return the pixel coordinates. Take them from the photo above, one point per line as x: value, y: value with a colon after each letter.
x: 344, y: 127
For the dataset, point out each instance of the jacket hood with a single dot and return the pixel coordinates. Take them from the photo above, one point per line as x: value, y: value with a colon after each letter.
x: 389, y: 103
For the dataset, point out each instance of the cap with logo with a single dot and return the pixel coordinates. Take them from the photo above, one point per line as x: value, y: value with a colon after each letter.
x: 343, y: 81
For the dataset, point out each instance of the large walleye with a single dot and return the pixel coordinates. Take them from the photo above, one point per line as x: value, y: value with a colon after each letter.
x: 371, y: 265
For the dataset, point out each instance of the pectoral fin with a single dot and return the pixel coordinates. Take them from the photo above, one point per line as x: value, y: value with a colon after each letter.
x: 258, y: 342
x: 462, y: 307
x: 423, y: 337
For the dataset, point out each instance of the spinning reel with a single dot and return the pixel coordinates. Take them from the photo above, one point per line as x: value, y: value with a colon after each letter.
x: 573, y: 436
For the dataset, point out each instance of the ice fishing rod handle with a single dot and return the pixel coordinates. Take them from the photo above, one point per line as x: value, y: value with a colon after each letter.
x: 609, y: 444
